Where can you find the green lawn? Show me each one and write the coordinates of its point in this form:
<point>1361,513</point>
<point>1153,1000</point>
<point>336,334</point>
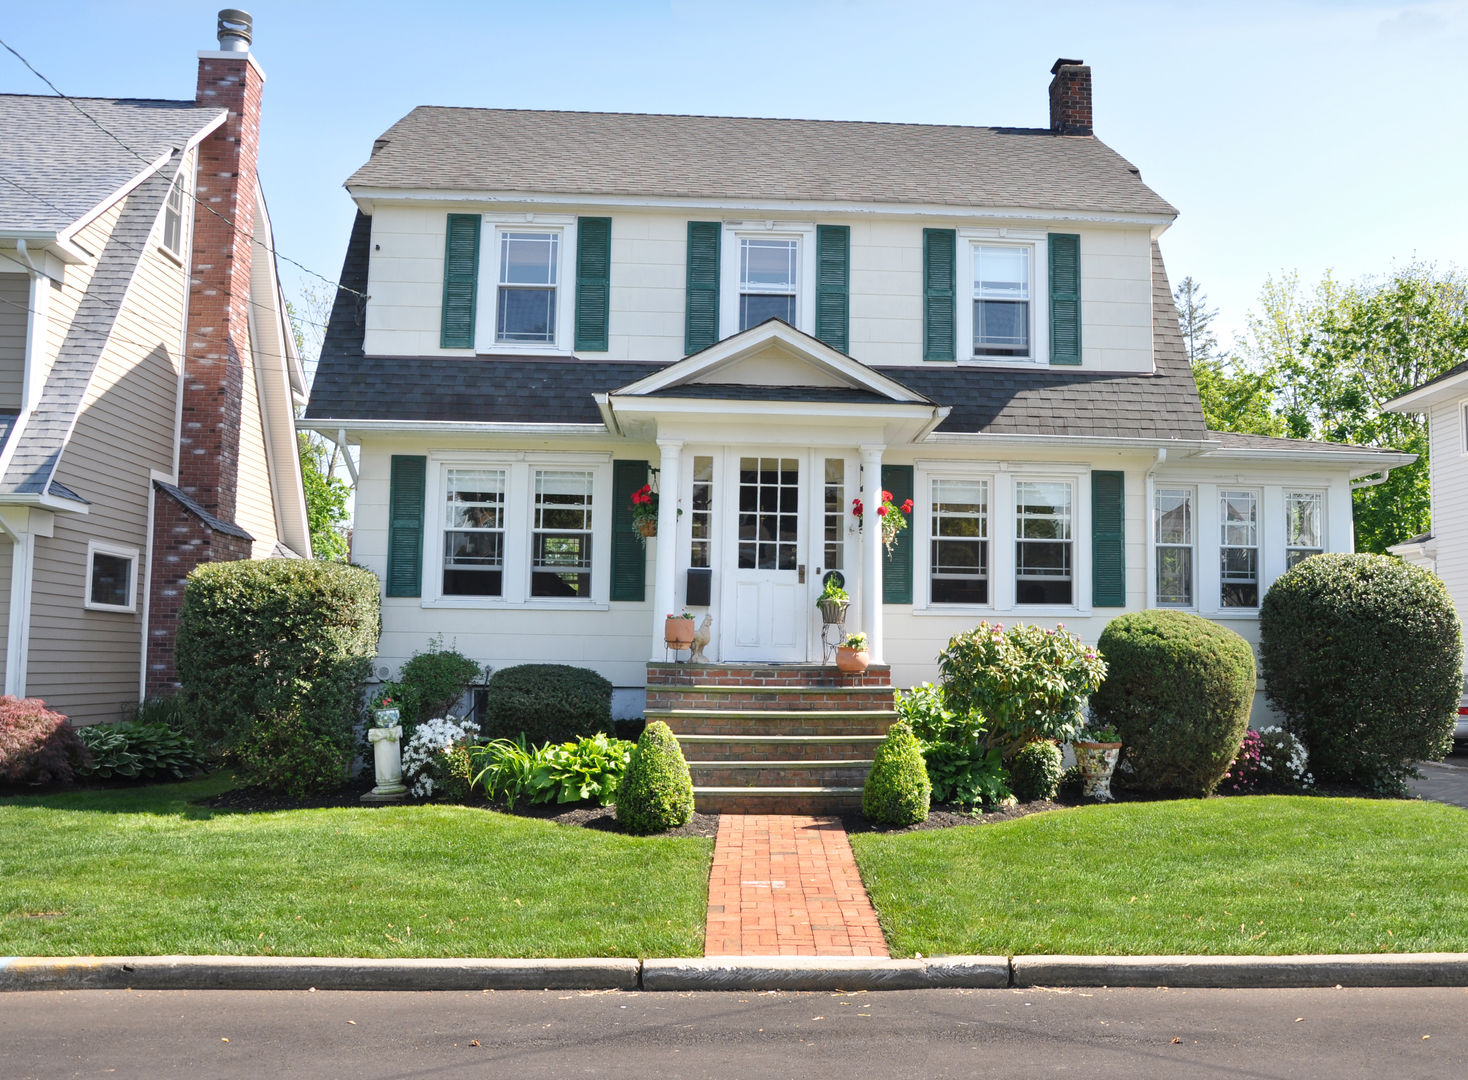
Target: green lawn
<point>142,872</point>
<point>1260,875</point>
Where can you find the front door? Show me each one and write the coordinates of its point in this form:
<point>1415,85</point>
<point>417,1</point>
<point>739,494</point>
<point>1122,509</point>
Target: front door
<point>766,608</point>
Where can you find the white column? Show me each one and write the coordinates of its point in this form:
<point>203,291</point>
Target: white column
<point>872,551</point>
<point>665,581</point>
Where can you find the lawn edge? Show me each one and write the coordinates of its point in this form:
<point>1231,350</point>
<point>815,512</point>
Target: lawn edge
<point>746,973</point>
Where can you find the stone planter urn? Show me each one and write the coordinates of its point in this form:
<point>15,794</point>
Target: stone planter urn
<point>833,610</point>
<point>1096,762</point>
<point>387,757</point>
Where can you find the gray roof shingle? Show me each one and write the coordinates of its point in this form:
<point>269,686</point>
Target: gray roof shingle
<point>1232,440</point>
<point>219,525</point>
<point>67,166</point>
<point>435,148</point>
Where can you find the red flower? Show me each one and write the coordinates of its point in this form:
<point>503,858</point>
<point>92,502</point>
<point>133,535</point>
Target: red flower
<point>856,507</point>
<point>881,511</point>
<point>907,507</point>
<point>886,496</point>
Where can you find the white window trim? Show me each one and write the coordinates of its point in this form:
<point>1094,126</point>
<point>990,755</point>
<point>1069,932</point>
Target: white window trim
<point>805,283</point>
<point>185,219</point>
<point>486,319</point>
<point>120,551</point>
<point>1002,537</point>
<point>519,530</point>
<point>1153,544</point>
<point>1037,241</point>
<point>1463,429</point>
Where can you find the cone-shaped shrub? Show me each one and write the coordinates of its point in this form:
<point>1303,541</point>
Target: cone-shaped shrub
<point>656,793</point>
<point>897,790</point>
<point>1178,690</point>
<point>1035,771</point>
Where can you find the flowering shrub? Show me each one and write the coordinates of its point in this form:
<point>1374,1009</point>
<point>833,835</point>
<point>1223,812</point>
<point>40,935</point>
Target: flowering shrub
<point>1283,757</point>
<point>1029,683</point>
<point>891,518</point>
<point>436,759</point>
<point>1244,774</point>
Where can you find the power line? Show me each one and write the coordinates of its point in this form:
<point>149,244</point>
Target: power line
<point>99,126</point>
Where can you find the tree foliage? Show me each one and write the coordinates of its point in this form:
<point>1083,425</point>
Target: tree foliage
<point>328,496</point>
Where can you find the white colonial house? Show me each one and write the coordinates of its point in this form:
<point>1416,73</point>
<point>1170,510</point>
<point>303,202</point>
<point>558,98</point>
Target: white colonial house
<point>766,319</point>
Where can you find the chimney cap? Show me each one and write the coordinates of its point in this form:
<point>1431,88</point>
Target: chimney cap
<point>234,29</point>
<point>1063,62</point>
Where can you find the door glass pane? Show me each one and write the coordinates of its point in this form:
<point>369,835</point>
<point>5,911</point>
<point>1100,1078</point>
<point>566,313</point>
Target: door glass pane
<point>702,513</point>
<point>769,529</point>
<point>835,514</point>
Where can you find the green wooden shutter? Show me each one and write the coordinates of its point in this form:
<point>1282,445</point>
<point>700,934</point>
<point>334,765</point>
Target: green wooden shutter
<point>405,525</point>
<point>833,285</point>
<point>701,326</point>
<point>593,282</point>
<point>460,281</point>
<point>1108,539</point>
<point>1065,298</point>
<point>897,565</point>
<point>629,557</point>
<point>939,268</point>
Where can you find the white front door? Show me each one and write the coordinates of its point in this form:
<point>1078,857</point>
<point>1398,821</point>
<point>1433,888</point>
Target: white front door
<point>766,616</point>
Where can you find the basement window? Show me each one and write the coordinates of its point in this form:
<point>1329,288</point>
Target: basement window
<point>112,573</point>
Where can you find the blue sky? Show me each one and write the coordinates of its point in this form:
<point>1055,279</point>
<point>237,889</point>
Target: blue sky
<point>1292,136</point>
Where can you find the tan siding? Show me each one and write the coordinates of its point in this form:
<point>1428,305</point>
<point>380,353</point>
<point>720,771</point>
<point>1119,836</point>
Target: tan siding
<point>15,298</point>
<point>125,427</point>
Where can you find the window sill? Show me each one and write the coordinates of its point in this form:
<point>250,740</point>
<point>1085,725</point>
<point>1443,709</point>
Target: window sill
<point>175,258</point>
<point>496,348</point>
<point>116,610</point>
<point>471,604</point>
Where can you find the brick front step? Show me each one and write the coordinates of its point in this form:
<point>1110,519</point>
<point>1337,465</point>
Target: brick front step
<point>779,800</point>
<point>661,674</point>
<point>781,698</point>
<point>778,747</point>
<point>770,722</point>
<point>779,774</point>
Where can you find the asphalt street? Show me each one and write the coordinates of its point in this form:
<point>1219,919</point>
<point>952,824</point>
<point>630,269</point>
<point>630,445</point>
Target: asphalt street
<point>1299,1034</point>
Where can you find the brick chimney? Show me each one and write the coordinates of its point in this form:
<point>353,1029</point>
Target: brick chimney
<point>195,522</point>
<point>219,297</point>
<point>1070,98</point>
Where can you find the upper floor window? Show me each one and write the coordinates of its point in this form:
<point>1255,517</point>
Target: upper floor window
<point>1173,526</point>
<point>1238,520</point>
<point>768,276</point>
<point>1304,525</point>
<point>530,265</point>
<point>1002,280</point>
<point>959,565</point>
<point>173,218</point>
<point>767,270</point>
<point>1045,542</point>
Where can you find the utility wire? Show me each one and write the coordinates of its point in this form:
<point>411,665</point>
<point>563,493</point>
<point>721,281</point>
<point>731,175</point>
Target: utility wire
<point>146,161</point>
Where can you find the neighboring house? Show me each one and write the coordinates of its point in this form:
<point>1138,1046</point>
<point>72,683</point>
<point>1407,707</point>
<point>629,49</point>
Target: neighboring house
<point>768,319</point>
<point>148,378</point>
<point>1444,550</point>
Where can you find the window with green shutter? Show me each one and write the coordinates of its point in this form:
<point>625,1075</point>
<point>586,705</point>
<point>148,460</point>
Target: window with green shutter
<point>629,557</point>
<point>460,281</point>
<point>1108,539</point>
<point>897,562</point>
<point>833,285</point>
<point>939,270</point>
<point>593,282</point>
<point>406,491</point>
<point>1065,298</point>
<point>701,324</point>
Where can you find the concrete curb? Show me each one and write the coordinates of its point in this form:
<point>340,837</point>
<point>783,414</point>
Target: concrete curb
<point>303,973</point>
<point>746,973</point>
<point>1252,972</point>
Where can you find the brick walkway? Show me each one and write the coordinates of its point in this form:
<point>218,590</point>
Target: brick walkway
<point>788,886</point>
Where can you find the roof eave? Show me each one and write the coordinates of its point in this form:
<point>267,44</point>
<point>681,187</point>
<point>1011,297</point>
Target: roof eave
<point>1426,396</point>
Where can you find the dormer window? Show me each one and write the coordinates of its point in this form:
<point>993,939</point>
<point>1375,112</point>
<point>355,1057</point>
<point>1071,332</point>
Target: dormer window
<point>529,275</point>
<point>768,274</point>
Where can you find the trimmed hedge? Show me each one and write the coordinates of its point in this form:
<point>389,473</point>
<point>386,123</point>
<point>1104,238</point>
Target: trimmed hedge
<point>1178,690</point>
<point>898,791</point>
<point>272,655</point>
<point>1035,771</point>
<point>656,792</point>
<point>433,682</point>
<point>553,703</point>
<point>1362,654</point>
<point>37,745</point>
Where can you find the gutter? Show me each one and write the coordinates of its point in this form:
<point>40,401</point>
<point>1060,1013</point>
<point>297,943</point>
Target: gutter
<point>331,427</point>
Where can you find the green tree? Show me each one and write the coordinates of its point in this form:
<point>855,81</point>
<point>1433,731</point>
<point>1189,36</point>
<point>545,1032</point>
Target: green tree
<point>328,496</point>
<point>1233,397</point>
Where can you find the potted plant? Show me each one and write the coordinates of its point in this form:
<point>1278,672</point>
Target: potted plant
<point>387,747</point>
<point>851,654</point>
<point>891,517</point>
<point>833,602</point>
<point>1097,749</point>
<point>678,631</point>
<point>645,512</point>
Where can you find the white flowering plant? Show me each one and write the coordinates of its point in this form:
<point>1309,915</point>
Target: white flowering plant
<point>1283,757</point>
<point>436,759</point>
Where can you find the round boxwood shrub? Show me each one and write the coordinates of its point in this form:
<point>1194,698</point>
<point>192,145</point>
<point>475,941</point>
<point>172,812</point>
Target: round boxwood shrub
<point>433,682</point>
<point>1035,771</point>
<point>897,790</point>
<point>1362,654</point>
<point>1178,690</point>
<point>656,792</point>
<point>272,655</point>
<point>546,703</point>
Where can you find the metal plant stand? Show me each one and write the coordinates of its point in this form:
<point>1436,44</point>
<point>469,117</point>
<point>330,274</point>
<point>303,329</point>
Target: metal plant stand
<point>833,627</point>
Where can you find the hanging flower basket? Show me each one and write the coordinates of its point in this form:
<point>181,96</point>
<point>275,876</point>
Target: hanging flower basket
<point>645,512</point>
<point>647,528</point>
<point>891,517</point>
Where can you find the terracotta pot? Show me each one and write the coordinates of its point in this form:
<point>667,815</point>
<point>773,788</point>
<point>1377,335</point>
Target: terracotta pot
<point>1096,762</point>
<point>851,661</point>
<point>678,633</point>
